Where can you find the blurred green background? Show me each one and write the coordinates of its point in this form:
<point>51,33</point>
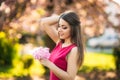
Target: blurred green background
<point>20,33</point>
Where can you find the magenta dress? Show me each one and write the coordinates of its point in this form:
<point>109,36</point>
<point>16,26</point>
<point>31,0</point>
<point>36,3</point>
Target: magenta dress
<point>58,57</point>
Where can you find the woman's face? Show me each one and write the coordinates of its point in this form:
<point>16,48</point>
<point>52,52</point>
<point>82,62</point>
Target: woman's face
<point>63,29</point>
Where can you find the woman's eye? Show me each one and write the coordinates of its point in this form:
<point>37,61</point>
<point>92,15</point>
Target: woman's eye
<point>64,27</point>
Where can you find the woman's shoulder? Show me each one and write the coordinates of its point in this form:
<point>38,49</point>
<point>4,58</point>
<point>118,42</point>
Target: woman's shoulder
<point>74,48</point>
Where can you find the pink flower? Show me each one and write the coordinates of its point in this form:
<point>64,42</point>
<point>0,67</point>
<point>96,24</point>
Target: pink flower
<point>40,52</point>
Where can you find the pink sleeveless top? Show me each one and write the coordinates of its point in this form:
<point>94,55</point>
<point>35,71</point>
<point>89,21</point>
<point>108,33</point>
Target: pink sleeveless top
<point>58,57</point>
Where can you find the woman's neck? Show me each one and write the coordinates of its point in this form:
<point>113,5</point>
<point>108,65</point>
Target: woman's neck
<point>67,41</point>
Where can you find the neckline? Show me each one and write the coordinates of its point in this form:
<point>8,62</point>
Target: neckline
<point>66,46</point>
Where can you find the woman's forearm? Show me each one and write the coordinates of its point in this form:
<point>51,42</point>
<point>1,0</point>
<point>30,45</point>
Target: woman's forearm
<point>63,75</point>
<point>49,25</point>
<point>50,20</point>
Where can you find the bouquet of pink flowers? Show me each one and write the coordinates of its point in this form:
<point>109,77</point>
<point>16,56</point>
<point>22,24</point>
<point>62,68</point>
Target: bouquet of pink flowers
<point>40,52</point>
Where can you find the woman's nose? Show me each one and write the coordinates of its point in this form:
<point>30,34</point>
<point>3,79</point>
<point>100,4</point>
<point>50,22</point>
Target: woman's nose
<point>59,29</point>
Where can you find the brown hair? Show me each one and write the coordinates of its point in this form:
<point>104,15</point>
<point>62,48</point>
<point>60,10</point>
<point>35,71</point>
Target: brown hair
<point>76,34</point>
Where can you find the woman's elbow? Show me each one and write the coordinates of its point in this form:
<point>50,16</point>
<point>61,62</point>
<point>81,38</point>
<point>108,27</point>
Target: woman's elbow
<point>42,25</point>
<point>41,22</point>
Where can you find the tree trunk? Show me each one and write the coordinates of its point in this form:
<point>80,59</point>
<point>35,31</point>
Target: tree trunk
<point>117,59</point>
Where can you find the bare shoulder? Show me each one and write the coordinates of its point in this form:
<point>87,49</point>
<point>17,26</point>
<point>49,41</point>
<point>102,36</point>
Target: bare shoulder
<point>74,50</point>
<point>73,56</point>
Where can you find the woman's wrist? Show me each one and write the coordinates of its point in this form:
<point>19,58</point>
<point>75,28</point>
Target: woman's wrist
<point>50,64</point>
<point>49,20</point>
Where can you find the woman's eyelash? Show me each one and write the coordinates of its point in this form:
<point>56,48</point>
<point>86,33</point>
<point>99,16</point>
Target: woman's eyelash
<point>64,27</point>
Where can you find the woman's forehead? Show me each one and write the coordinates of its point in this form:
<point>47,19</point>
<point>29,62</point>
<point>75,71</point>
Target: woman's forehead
<point>62,22</point>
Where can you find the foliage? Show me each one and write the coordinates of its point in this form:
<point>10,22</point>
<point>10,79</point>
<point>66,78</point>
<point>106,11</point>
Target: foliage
<point>22,67</point>
<point>27,60</point>
<point>8,50</point>
<point>93,61</point>
<point>100,61</point>
<point>11,9</point>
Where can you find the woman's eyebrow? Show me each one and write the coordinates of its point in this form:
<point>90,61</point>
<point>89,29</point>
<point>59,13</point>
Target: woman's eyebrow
<point>61,25</point>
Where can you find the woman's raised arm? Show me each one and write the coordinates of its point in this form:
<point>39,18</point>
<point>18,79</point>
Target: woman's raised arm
<point>49,25</point>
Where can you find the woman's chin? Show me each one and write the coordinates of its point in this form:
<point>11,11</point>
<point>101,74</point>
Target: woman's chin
<point>61,37</point>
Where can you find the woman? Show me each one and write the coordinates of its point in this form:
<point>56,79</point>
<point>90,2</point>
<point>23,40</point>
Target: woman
<point>68,54</point>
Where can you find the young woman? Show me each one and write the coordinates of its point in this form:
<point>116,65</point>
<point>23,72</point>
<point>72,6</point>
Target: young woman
<point>68,54</point>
